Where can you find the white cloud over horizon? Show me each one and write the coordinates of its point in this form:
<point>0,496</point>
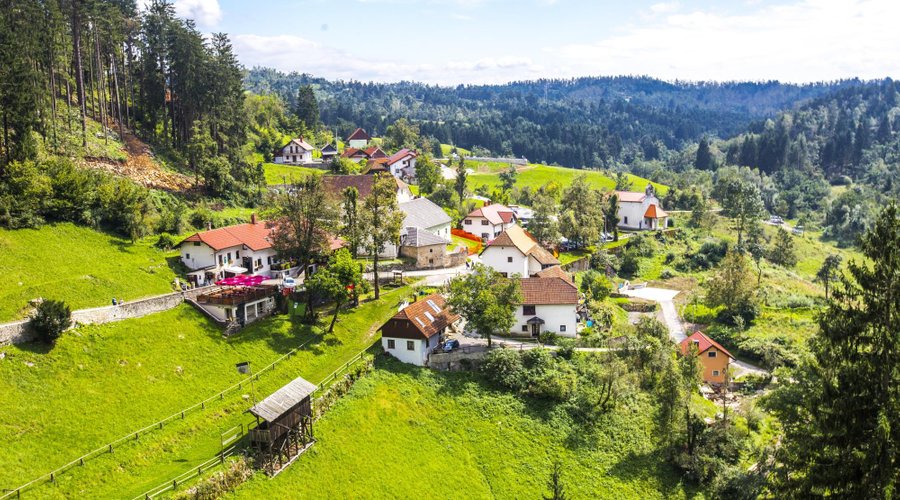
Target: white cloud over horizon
<point>798,41</point>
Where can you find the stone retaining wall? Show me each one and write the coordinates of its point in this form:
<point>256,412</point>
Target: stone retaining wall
<point>16,332</point>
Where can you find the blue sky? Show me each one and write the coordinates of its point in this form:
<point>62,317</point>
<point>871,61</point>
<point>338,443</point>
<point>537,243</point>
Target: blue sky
<point>492,41</point>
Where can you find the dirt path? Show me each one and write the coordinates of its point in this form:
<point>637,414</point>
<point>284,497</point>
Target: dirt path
<point>142,168</point>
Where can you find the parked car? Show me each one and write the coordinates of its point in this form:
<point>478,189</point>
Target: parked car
<point>776,220</point>
<point>450,345</point>
<point>289,282</point>
<point>797,230</point>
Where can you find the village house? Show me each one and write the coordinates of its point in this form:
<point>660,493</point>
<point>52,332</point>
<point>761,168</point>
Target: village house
<point>369,154</point>
<point>240,305</point>
<point>515,252</point>
<point>714,358</point>
<point>402,164</point>
<point>336,184</point>
<point>425,248</point>
<point>425,214</point>
<point>489,221</point>
<point>416,330</point>
<point>242,248</point>
<point>641,210</point>
<point>549,304</point>
<point>295,152</point>
<point>359,139</point>
<point>328,152</point>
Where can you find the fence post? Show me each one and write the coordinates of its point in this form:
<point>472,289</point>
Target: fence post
<point>110,448</point>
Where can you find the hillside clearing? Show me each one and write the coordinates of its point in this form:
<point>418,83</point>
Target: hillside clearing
<point>535,176</point>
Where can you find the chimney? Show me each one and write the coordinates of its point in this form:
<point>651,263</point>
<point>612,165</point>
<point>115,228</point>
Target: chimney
<point>253,218</point>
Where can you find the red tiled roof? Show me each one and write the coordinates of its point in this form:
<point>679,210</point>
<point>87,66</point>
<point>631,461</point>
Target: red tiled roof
<point>375,152</point>
<point>255,236</point>
<point>554,272</point>
<point>351,152</point>
<point>428,315</point>
<point>654,212</point>
<point>359,134</point>
<point>547,291</point>
<point>335,184</point>
<point>495,214</point>
<point>519,238</point>
<point>399,155</point>
<point>703,344</point>
<point>630,196</point>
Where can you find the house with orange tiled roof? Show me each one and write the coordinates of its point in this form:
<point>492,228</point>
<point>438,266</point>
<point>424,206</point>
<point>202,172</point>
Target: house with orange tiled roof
<point>416,330</point>
<point>516,252</point>
<point>489,221</point>
<point>402,164</point>
<point>641,211</point>
<point>549,304</point>
<point>714,358</point>
<point>232,250</point>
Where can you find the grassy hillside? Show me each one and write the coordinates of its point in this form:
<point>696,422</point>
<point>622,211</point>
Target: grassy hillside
<point>446,148</point>
<point>406,432</point>
<point>102,382</point>
<point>535,176</point>
<point>81,266</point>
<point>277,174</point>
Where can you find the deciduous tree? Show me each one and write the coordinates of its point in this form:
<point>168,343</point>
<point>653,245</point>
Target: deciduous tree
<point>381,219</point>
<point>487,300</point>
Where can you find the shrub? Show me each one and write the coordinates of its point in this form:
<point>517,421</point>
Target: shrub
<point>51,319</point>
<point>666,274</point>
<point>602,261</point>
<point>670,257</point>
<point>504,367</point>
<point>641,245</point>
<point>630,264</point>
<point>548,338</point>
<point>595,285</point>
<point>166,241</point>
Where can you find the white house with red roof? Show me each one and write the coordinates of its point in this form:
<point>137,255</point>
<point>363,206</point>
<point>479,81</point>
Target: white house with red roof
<point>402,164</point>
<point>489,221</point>
<point>641,210</point>
<point>359,139</point>
<point>515,252</point>
<point>296,152</point>
<point>412,333</point>
<point>549,304</point>
<point>238,249</point>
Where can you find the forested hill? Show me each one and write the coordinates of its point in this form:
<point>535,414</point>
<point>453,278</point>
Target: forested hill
<point>593,122</point>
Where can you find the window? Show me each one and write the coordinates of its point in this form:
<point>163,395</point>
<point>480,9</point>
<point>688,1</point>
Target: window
<point>562,328</point>
<point>715,373</point>
<point>484,222</point>
<point>229,257</point>
<point>391,344</point>
<point>528,310</point>
<point>484,236</point>
<point>237,255</point>
<point>626,219</point>
<point>410,345</point>
<point>187,256</point>
<point>468,222</point>
<point>505,275</point>
<point>196,243</point>
<point>509,259</point>
<point>712,354</point>
<point>525,328</point>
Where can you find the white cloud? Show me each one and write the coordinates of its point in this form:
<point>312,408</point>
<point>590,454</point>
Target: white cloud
<point>207,13</point>
<point>293,53</point>
<point>804,41</point>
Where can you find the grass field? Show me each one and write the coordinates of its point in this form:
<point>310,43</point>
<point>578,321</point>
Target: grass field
<point>446,148</point>
<point>407,432</point>
<point>278,174</point>
<point>536,176</point>
<point>84,267</point>
<point>101,382</point>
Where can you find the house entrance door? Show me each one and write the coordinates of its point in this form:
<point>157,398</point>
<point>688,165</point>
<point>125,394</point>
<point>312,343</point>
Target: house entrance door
<point>535,330</point>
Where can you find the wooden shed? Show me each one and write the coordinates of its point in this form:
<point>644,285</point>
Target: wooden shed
<point>283,425</point>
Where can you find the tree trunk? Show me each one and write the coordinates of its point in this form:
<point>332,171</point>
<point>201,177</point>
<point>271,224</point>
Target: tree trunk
<point>375,271</point>
<point>115,73</point>
<point>79,68</point>
<point>337,308</point>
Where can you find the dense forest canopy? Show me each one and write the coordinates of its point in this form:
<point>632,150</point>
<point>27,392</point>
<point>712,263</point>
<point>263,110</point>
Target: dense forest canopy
<point>582,122</point>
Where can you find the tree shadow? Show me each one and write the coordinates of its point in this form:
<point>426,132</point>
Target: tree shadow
<point>636,467</point>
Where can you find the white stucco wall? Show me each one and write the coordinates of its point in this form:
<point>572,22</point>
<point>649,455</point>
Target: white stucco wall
<point>631,214</point>
<point>358,143</point>
<point>202,256</point>
<point>418,356</point>
<point>497,258</point>
<point>554,316</point>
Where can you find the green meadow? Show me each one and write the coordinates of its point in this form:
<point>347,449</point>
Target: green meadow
<point>535,176</point>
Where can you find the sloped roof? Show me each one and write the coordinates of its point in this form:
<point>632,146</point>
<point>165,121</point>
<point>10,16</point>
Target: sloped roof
<point>428,315</point>
<point>423,212</point>
<point>299,142</point>
<point>255,236</point>
<point>703,344</point>
<point>375,152</point>
<point>335,184</point>
<point>654,212</point>
<point>554,272</point>
<point>351,152</point>
<point>418,237</point>
<point>399,155</point>
<point>359,135</point>
<point>547,291</point>
<point>282,400</point>
<point>519,238</point>
<point>630,196</point>
<point>495,214</point>
<point>329,148</point>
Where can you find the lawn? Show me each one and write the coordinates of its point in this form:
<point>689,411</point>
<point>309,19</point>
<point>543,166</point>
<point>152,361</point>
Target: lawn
<point>407,432</point>
<point>569,257</point>
<point>102,382</point>
<point>279,174</point>
<point>446,148</point>
<point>82,266</point>
<point>456,241</point>
<point>536,176</point>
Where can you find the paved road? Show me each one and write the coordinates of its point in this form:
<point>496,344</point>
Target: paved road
<point>665,297</point>
<point>433,277</point>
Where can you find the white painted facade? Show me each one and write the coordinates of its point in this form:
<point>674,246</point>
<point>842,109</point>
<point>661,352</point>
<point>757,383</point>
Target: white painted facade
<point>202,260</point>
<point>561,319</point>
<point>631,214</point>
<point>252,311</point>
<point>509,261</point>
<point>480,226</point>
<point>358,143</point>
<point>400,349</point>
<point>404,168</point>
<point>294,154</point>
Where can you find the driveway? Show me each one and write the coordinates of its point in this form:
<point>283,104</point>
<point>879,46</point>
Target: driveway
<point>433,277</point>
